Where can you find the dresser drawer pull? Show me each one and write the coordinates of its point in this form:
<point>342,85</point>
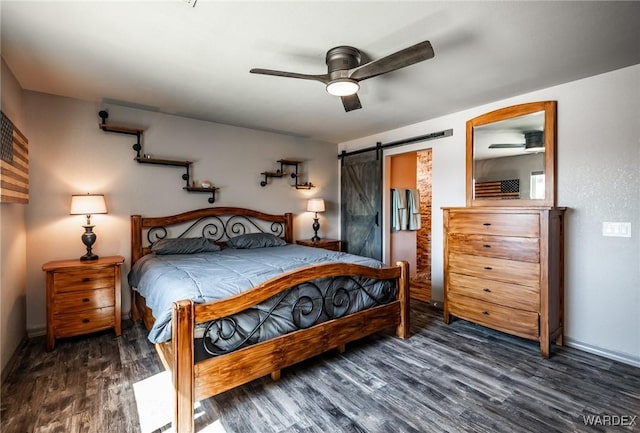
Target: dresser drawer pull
<point>86,279</point>
<point>486,246</point>
<point>85,320</point>
<point>85,300</point>
<point>488,268</point>
<point>486,313</point>
<point>486,224</point>
<point>486,289</point>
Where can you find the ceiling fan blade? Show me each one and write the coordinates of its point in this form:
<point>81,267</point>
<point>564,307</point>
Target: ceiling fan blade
<point>506,145</point>
<point>351,102</point>
<point>400,59</point>
<point>322,78</point>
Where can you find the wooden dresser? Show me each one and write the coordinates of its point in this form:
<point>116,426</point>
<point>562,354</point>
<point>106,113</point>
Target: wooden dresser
<point>503,268</point>
<point>82,297</point>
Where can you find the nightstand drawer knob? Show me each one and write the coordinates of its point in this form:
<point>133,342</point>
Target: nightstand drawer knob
<point>486,313</point>
<point>487,290</point>
<point>486,246</point>
<point>486,224</point>
<point>85,300</point>
<point>488,268</point>
<point>85,320</point>
<point>86,279</point>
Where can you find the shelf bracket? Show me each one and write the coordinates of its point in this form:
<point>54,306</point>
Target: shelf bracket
<point>104,115</point>
<point>281,172</point>
<point>212,190</point>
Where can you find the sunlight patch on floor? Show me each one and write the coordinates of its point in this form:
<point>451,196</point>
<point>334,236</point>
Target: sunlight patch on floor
<point>155,405</point>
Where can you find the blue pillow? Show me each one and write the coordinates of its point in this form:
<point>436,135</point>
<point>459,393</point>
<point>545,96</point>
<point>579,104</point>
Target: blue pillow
<point>255,240</point>
<point>183,246</point>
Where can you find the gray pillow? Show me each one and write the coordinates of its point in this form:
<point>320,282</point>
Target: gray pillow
<point>184,246</point>
<point>255,240</point>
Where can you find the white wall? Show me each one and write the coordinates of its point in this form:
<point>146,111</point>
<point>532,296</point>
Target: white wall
<point>598,180</point>
<point>70,154</point>
<point>13,255</point>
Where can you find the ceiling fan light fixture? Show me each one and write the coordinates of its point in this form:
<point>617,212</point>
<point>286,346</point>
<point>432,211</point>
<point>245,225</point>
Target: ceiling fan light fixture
<point>343,87</point>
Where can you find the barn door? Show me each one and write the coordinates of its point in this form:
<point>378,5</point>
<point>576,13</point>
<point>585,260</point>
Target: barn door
<point>361,198</point>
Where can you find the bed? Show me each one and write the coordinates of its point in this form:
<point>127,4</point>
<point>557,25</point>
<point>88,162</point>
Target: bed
<point>214,343</point>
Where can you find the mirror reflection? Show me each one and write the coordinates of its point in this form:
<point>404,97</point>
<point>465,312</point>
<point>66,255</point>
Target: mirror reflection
<point>509,159</point>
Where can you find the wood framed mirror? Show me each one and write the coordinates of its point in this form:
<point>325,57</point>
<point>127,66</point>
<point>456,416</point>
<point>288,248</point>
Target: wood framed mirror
<point>511,156</point>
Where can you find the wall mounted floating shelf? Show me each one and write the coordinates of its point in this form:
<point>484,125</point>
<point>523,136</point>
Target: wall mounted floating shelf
<point>146,159</point>
<point>281,173</point>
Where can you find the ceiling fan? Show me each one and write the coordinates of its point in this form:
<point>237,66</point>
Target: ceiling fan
<point>534,142</point>
<point>344,70</point>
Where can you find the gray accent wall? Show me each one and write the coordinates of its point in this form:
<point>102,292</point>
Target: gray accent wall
<point>71,155</point>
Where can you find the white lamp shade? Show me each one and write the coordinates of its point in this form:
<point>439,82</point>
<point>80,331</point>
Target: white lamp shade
<point>315,205</point>
<point>87,204</point>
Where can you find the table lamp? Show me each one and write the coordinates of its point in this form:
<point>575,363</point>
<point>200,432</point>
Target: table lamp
<point>88,204</point>
<point>315,205</point>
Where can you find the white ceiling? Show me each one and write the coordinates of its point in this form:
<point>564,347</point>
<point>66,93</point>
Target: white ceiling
<point>194,61</point>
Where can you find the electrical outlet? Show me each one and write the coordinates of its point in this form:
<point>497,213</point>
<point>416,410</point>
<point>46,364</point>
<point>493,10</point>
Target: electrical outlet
<point>622,230</point>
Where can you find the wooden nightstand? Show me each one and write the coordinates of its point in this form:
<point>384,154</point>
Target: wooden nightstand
<point>82,297</point>
<point>327,244</point>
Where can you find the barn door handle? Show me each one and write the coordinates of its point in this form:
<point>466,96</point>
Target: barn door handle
<point>377,215</point>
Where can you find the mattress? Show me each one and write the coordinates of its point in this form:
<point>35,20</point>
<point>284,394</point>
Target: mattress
<point>211,276</point>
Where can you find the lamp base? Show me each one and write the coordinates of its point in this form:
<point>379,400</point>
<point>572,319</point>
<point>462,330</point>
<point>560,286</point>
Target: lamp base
<point>88,239</point>
<point>89,257</point>
<point>316,227</point>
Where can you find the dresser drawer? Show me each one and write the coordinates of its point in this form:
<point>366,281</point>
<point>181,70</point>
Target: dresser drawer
<point>510,271</point>
<point>511,320</point>
<point>83,280</point>
<point>81,322</point>
<point>67,302</point>
<point>501,247</point>
<point>521,225</point>
<point>496,292</point>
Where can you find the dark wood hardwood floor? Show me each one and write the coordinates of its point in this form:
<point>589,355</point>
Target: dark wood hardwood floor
<point>455,378</point>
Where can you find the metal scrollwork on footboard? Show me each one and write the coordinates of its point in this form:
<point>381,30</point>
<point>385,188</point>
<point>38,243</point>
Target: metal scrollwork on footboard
<point>218,229</point>
<point>300,307</point>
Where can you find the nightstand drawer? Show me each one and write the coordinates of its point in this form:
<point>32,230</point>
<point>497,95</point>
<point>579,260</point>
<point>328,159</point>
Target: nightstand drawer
<point>522,225</point>
<point>517,322</point>
<point>81,322</point>
<point>67,302</point>
<point>83,280</point>
<point>496,292</point>
<point>327,244</point>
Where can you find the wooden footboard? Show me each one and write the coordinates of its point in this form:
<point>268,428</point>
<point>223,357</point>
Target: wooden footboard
<point>197,381</point>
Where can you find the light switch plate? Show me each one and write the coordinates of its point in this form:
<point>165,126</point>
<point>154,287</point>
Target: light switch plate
<point>622,230</point>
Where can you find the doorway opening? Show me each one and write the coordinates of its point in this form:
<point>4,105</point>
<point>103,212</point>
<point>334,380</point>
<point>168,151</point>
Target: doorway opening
<point>412,171</point>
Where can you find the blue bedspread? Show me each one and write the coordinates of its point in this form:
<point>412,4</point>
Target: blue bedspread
<point>205,277</point>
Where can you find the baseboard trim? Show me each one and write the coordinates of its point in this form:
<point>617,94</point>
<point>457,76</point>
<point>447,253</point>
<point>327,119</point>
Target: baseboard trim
<point>609,354</point>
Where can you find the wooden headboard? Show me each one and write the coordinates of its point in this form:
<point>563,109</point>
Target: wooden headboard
<point>216,223</point>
